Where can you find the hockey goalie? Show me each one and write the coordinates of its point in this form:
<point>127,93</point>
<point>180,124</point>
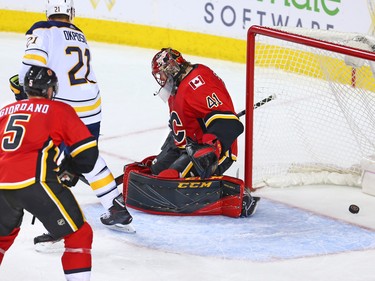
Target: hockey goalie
<point>186,177</point>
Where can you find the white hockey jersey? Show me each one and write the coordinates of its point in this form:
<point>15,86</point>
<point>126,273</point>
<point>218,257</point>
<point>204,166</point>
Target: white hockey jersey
<point>63,48</point>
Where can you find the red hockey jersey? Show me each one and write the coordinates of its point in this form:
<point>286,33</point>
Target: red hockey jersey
<point>30,133</point>
<point>202,105</point>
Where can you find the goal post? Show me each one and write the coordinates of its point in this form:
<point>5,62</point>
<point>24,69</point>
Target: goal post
<point>321,123</point>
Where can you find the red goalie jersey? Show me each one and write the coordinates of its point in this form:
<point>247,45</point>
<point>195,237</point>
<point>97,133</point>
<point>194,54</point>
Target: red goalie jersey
<point>202,105</point>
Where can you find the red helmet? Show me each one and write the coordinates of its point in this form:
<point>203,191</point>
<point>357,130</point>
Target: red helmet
<point>167,63</point>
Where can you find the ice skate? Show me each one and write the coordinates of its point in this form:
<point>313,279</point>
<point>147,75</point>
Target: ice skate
<point>118,217</point>
<point>45,243</point>
<point>249,204</point>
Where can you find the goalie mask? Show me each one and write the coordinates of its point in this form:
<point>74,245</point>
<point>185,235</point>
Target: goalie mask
<point>168,65</point>
<point>38,80</point>
<point>60,7</point>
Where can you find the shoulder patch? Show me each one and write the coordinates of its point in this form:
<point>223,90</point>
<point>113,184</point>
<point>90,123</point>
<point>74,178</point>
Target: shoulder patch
<point>196,82</point>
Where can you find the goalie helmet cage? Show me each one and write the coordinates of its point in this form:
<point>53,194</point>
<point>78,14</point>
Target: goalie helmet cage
<point>321,122</point>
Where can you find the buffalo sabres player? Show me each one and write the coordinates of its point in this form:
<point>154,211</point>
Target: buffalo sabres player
<point>58,44</point>
<point>203,123</point>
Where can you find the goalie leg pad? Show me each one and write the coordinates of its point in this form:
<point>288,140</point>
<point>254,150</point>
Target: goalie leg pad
<point>218,195</point>
<point>173,196</point>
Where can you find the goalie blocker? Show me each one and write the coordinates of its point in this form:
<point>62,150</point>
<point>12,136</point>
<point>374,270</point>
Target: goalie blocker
<point>217,195</point>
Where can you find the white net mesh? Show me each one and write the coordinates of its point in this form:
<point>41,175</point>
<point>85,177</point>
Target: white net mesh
<point>323,117</point>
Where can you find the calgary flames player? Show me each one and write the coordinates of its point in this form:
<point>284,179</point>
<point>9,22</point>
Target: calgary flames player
<point>31,132</point>
<point>202,144</point>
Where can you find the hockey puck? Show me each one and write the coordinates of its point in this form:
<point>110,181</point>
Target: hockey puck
<point>354,209</point>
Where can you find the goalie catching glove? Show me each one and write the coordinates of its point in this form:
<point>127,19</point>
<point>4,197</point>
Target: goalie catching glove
<point>16,88</point>
<point>205,156</point>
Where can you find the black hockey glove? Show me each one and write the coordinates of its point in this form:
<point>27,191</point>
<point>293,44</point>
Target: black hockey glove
<point>204,157</point>
<point>65,173</point>
<point>16,88</point>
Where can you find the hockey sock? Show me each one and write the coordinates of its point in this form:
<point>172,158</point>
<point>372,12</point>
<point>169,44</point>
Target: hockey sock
<point>76,260</point>
<point>7,241</point>
<point>103,183</point>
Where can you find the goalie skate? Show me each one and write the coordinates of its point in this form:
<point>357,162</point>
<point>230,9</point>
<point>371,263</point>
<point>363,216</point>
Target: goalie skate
<point>45,243</point>
<point>249,204</point>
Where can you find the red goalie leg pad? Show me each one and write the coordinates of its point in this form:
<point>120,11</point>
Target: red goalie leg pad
<point>77,254</point>
<point>136,166</point>
<point>7,241</point>
<point>232,206</point>
<point>169,174</point>
<point>229,206</point>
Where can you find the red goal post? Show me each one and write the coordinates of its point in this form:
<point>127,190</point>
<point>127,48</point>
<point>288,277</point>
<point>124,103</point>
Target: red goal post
<point>321,123</point>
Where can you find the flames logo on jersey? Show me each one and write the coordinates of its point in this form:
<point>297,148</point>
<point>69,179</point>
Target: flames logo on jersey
<point>196,82</point>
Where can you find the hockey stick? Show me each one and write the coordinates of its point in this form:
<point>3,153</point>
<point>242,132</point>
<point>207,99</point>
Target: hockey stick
<point>119,179</point>
<point>258,104</point>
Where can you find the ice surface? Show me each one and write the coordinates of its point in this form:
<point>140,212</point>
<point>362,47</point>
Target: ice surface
<point>299,233</point>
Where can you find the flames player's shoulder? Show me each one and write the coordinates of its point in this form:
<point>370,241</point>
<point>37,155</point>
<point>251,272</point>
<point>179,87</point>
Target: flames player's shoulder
<point>61,108</point>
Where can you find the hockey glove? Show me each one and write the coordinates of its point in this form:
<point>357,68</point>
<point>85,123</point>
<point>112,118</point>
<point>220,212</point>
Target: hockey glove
<point>65,174</point>
<point>16,88</point>
<point>212,140</point>
<point>205,157</point>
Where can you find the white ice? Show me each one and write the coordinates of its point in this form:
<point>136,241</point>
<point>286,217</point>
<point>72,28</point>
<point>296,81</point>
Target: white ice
<point>299,233</point>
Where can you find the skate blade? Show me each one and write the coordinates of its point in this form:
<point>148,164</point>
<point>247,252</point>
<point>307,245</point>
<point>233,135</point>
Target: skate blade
<point>50,247</point>
<point>128,228</point>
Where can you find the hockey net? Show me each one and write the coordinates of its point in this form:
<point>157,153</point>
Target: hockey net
<point>320,122</point>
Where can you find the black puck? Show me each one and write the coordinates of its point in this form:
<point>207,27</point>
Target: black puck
<point>354,209</point>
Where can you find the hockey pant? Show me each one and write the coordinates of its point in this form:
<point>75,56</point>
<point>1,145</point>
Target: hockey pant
<point>56,207</point>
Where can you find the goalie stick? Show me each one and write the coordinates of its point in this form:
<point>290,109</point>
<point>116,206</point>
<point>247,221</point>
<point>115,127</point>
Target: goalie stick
<point>258,104</point>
